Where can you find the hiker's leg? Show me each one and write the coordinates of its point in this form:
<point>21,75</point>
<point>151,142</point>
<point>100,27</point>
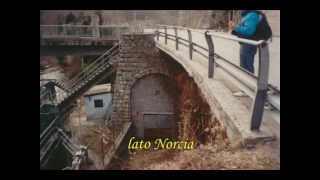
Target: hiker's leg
<point>247,53</point>
<point>242,56</point>
<point>250,57</point>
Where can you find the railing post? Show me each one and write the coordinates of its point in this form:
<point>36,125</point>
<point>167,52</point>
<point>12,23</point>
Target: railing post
<point>64,31</point>
<point>177,39</point>
<point>97,30</point>
<point>211,55</point>
<point>157,31</point>
<point>190,43</point>
<point>262,85</point>
<point>165,35</point>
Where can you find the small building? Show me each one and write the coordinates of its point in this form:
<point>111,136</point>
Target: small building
<point>97,101</point>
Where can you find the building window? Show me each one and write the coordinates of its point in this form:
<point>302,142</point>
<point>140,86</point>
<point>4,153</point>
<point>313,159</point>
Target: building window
<point>98,103</point>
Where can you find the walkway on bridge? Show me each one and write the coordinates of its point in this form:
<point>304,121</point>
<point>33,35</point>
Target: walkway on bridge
<point>236,112</point>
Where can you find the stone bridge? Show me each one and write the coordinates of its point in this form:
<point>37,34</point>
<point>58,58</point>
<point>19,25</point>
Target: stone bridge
<point>148,66</point>
<point>140,57</point>
<point>219,82</point>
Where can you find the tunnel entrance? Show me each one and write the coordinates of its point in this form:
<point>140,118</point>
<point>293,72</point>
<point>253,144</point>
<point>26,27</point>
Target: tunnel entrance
<point>153,112</point>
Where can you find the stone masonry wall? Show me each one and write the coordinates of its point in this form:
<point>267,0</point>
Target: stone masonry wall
<point>138,57</point>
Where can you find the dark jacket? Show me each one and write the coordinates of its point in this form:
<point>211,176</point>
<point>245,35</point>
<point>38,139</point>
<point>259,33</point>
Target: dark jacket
<point>71,18</point>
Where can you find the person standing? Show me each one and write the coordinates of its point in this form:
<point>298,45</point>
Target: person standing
<point>86,22</point>
<point>100,22</point>
<point>94,23</point>
<point>97,21</point>
<point>70,20</point>
<point>253,26</point>
<point>80,20</point>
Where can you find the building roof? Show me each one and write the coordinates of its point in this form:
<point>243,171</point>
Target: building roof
<point>98,89</point>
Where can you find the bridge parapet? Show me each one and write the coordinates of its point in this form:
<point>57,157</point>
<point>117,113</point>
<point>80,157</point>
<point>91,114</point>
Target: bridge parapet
<point>80,35</point>
<point>84,31</point>
<point>89,35</point>
<point>255,86</point>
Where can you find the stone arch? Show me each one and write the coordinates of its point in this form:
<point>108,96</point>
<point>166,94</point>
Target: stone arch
<point>153,114</point>
<point>147,72</point>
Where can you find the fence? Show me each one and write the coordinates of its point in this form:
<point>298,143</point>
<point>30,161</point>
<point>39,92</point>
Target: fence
<point>255,86</point>
<point>82,31</point>
<point>53,136</point>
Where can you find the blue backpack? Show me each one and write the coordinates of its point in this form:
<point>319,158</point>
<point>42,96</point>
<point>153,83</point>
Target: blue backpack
<point>263,29</point>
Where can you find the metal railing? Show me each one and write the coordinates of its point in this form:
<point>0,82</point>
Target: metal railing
<point>88,76</point>
<point>48,137</point>
<point>85,76</point>
<point>82,78</point>
<point>98,63</point>
<point>51,128</point>
<point>56,82</point>
<point>82,31</point>
<point>47,93</point>
<point>256,86</point>
<point>52,134</point>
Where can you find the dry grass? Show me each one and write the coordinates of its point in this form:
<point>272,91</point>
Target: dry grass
<point>211,158</point>
<point>204,157</point>
<point>91,136</point>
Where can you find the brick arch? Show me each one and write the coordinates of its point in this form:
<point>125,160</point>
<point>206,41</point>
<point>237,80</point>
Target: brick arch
<point>145,73</point>
<point>161,104</point>
<point>141,75</point>
<point>125,112</point>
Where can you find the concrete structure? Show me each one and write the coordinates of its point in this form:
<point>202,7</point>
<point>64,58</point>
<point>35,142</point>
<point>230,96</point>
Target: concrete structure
<point>98,102</point>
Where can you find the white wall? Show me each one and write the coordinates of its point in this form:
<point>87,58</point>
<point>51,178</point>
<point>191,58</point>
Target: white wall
<point>97,113</point>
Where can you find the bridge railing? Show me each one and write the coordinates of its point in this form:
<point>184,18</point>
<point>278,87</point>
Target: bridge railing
<point>255,86</point>
<point>82,31</point>
<point>70,86</point>
<point>52,134</point>
<point>91,68</point>
<point>47,93</point>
